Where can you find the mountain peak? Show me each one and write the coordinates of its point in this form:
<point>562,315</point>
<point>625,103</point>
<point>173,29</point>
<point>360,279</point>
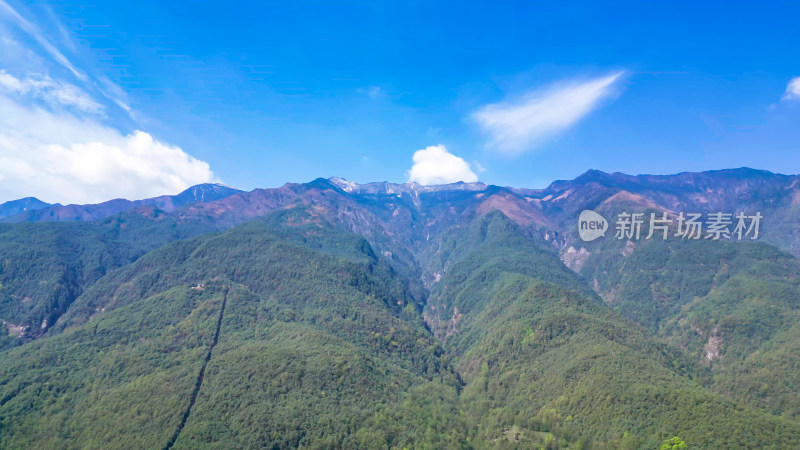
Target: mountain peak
<point>12,207</point>
<point>341,183</point>
<point>205,192</point>
<point>593,175</point>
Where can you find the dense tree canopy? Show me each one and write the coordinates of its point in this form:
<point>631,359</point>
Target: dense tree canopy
<point>292,332</point>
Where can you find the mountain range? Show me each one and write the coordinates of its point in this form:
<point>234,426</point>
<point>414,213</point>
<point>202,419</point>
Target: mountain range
<point>332,314</point>
<point>31,209</point>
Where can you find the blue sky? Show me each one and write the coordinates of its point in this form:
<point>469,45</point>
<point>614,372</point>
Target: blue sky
<point>103,99</point>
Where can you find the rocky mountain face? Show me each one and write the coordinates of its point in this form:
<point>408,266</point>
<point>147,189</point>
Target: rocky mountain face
<point>466,297</point>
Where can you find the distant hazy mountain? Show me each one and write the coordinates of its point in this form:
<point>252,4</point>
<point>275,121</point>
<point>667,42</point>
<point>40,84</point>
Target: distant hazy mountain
<point>65,213</point>
<point>22,205</point>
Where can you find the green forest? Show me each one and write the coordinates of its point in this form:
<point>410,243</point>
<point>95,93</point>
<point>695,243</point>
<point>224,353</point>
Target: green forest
<point>290,331</point>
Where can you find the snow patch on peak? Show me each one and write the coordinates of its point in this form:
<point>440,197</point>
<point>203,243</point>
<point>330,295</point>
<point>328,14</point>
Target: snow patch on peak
<point>341,183</point>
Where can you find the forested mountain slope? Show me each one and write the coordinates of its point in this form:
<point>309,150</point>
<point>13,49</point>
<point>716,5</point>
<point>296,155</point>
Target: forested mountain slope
<point>332,314</point>
<point>734,307</point>
<point>311,337</point>
<point>543,358</point>
<point>46,266</point>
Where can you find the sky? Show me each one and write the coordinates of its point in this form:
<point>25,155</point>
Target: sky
<point>100,100</point>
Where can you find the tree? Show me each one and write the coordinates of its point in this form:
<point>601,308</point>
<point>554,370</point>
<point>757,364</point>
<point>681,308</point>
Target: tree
<point>674,443</point>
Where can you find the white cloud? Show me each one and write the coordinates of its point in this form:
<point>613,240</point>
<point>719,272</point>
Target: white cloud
<point>517,126</point>
<point>52,92</point>
<point>435,165</point>
<point>55,143</point>
<point>792,89</point>
<point>62,157</point>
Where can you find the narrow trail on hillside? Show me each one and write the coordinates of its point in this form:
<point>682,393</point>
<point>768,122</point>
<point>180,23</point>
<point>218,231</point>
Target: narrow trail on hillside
<point>201,375</point>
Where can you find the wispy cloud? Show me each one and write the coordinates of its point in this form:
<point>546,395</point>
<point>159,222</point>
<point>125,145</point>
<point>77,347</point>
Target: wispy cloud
<point>372,92</point>
<point>52,92</point>
<point>102,85</point>
<point>792,89</point>
<point>435,165</point>
<point>34,32</point>
<point>116,94</point>
<point>519,125</point>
